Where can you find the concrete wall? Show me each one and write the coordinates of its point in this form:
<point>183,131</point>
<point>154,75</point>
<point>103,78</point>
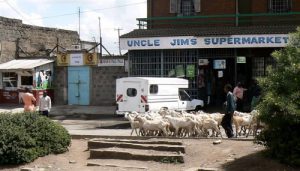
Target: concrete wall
<point>104,84</point>
<point>34,40</point>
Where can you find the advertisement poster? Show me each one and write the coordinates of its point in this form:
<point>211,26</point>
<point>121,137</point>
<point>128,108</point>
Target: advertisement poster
<point>190,71</point>
<point>179,71</point>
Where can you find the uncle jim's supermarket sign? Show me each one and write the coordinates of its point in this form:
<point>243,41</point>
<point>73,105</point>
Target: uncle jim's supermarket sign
<point>190,42</point>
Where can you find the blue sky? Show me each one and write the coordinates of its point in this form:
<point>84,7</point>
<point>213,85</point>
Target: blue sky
<point>63,14</point>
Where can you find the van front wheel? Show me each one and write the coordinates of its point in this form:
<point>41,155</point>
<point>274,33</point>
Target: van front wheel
<point>198,108</point>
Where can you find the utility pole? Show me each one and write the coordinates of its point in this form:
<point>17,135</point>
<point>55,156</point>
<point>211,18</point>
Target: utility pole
<point>100,37</point>
<point>119,29</point>
<point>79,21</point>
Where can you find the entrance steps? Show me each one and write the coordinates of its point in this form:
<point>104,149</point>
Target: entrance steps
<point>140,150</point>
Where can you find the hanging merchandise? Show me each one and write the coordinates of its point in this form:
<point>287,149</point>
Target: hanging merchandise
<point>179,71</point>
<point>190,71</point>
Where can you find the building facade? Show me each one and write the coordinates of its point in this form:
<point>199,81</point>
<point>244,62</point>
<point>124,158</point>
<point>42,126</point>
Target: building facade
<point>211,43</point>
<point>30,56</point>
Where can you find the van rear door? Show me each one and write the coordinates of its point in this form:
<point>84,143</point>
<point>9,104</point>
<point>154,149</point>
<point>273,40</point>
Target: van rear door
<point>131,97</point>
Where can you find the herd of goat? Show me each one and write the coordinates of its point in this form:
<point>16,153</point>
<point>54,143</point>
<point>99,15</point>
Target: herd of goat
<point>195,124</point>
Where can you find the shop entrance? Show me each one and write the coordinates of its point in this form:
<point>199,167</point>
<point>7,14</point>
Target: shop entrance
<point>213,75</point>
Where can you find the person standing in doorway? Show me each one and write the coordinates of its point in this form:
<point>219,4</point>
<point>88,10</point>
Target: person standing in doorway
<point>28,100</point>
<point>238,93</point>
<point>229,109</point>
<point>45,104</point>
<point>256,92</point>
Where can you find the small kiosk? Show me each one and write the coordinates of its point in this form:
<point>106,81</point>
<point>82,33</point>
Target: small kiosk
<point>16,75</point>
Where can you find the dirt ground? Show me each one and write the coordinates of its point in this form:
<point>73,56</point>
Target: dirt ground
<point>229,155</point>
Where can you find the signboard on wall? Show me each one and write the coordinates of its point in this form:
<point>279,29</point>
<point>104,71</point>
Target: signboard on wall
<point>190,42</point>
<point>77,59</point>
<point>241,60</point>
<point>90,59</point>
<point>111,62</point>
<point>63,59</point>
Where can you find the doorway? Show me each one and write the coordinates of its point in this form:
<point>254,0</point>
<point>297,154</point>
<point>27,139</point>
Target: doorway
<point>78,85</point>
<point>213,75</point>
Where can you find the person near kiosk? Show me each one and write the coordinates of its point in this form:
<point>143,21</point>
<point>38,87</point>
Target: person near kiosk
<point>45,104</point>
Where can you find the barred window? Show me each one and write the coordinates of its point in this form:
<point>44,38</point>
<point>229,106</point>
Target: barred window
<point>187,8</point>
<point>280,6</point>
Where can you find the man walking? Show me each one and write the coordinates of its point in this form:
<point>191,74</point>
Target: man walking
<point>229,110</point>
<point>45,104</point>
<point>28,100</point>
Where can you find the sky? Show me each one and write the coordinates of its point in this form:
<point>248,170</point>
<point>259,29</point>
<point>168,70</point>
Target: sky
<point>64,14</point>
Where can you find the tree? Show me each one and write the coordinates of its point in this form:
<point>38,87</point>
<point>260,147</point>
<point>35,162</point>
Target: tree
<point>280,104</point>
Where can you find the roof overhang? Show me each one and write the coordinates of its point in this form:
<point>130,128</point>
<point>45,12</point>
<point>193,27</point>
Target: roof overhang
<point>24,64</point>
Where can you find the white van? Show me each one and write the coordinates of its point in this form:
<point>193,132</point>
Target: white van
<point>144,94</point>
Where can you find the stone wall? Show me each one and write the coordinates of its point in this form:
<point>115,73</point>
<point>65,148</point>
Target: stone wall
<point>35,41</point>
<point>60,83</point>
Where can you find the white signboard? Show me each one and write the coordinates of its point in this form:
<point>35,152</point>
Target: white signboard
<point>111,62</point>
<point>76,59</point>
<point>190,42</point>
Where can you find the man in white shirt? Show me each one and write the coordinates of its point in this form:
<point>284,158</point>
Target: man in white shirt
<point>45,104</point>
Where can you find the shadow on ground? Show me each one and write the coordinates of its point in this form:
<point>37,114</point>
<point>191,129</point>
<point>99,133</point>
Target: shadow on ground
<point>256,162</point>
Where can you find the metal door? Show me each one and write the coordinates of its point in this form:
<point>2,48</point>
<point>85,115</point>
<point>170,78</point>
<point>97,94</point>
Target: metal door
<point>78,86</point>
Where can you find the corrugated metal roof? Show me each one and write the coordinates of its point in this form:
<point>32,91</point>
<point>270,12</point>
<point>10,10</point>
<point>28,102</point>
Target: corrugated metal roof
<point>210,31</point>
<point>24,64</point>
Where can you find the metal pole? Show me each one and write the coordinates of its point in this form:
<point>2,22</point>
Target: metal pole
<point>79,21</point>
<point>236,12</point>
<point>100,36</point>
<point>118,29</point>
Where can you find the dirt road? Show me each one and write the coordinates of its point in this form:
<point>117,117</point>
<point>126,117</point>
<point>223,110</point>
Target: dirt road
<point>229,155</point>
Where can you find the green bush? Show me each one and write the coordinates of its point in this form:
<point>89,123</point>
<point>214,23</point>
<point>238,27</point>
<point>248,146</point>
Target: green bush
<point>27,136</point>
<point>280,105</point>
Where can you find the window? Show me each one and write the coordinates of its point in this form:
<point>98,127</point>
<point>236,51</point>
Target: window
<point>184,96</point>
<point>10,79</point>
<point>153,89</point>
<point>280,6</point>
<point>26,80</point>
<point>185,7</point>
<point>131,92</point>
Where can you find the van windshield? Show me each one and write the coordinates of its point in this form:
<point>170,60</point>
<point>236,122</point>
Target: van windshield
<point>184,96</point>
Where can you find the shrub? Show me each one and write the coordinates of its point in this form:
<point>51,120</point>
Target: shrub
<point>280,105</point>
<point>26,136</point>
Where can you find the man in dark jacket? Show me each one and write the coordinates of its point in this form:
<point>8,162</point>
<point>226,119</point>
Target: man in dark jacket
<point>230,108</point>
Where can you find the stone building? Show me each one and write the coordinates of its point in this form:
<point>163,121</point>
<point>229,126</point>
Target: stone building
<point>211,43</point>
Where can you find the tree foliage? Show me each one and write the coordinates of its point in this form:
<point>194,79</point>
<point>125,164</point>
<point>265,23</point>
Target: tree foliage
<point>280,104</point>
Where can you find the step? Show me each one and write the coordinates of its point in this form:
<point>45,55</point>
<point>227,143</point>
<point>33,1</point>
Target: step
<point>158,147</point>
<point>136,154</point>
<point>148,141</point>
<point>118,166</point>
